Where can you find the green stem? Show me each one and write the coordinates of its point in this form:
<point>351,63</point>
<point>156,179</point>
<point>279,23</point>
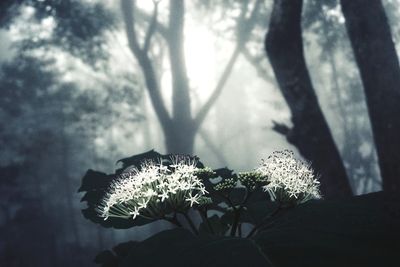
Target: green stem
<point>191,224</point>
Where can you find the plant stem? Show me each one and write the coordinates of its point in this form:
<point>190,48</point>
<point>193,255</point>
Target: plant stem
<point>262,221</point>
<point>228,200</point>
<point>235,222</point>
<point>191,224</point>
<point>203,214</point>
<point>237,213</point>
<point>240,229</point>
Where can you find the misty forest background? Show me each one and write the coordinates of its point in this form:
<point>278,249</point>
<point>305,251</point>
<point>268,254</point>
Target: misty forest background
<point>87,82</point>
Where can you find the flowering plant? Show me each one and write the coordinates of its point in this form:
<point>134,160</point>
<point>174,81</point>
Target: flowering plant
<point>289,180</point>
<point>210,203</point>
<point>153,190</point>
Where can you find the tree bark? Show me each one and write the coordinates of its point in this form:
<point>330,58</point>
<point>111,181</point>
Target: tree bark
<point>310,132</point>
<point>376,57</point>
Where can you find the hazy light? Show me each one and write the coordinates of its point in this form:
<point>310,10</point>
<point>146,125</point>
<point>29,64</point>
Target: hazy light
<point>200,56</point>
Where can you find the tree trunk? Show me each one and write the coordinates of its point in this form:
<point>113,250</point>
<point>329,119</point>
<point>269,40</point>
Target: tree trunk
<point>180,127</point>
<point>179,140</point>
<point>310,132</point>
<point>376,57</point>
<point>180,135</point>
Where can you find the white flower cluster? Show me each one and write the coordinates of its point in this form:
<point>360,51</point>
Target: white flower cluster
<point>153,190</point>
<point>289,180</point>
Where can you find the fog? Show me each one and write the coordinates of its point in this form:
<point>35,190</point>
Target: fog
<point>74,96</point>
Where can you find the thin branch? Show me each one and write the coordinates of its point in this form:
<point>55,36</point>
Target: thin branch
<point>236,219</point>
<point>207,140</point>
<point>235,222</point>
<point>242,39</point>
<point>159,27</point>
<point>280,128</point>
<point>127,8</point>
<point>152,28</point>
<point>255,63</point>
<point>201,115</point>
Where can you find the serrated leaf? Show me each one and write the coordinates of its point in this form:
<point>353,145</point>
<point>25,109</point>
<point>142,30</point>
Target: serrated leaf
<point>137,160</point>
<point>94,180</point>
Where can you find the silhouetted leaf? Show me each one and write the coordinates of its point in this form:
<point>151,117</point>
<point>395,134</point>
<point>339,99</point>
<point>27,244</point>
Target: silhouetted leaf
<point>94,180</point>
<point>237,195</point>
<point>358,231</point>
<point>113,259</point>
<point>218,226</point>
<point>137,160</point>
<point>178,247</point>
<point>165,245</point>
<point>255,212</point>
<point>95,185</point>
<point>224,252</point>
<point>106,259</point>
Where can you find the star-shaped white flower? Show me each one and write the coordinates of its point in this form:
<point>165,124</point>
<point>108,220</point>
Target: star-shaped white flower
<point>163,196</point>
<point>193,199</point>
<point>135,212</point>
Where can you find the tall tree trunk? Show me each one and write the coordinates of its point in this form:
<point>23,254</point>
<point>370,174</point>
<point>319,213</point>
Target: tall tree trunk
<point>310,132</point>
<point>180,127</point>
<point>180,140</point>
<point>376,57</point>
<point>180,135</point>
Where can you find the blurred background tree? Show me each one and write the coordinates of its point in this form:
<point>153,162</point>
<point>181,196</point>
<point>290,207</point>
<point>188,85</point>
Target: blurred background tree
<point>84,83</point>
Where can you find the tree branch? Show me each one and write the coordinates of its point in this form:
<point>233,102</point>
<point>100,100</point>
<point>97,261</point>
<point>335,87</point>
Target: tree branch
<point>201,115</point>
<point>246,26</point>
<point>207,140</point>
<point>280,128</point>
<point>255,63</point>
<point>127,8</point>
<point>159,27</point>
<point>152,27</point>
